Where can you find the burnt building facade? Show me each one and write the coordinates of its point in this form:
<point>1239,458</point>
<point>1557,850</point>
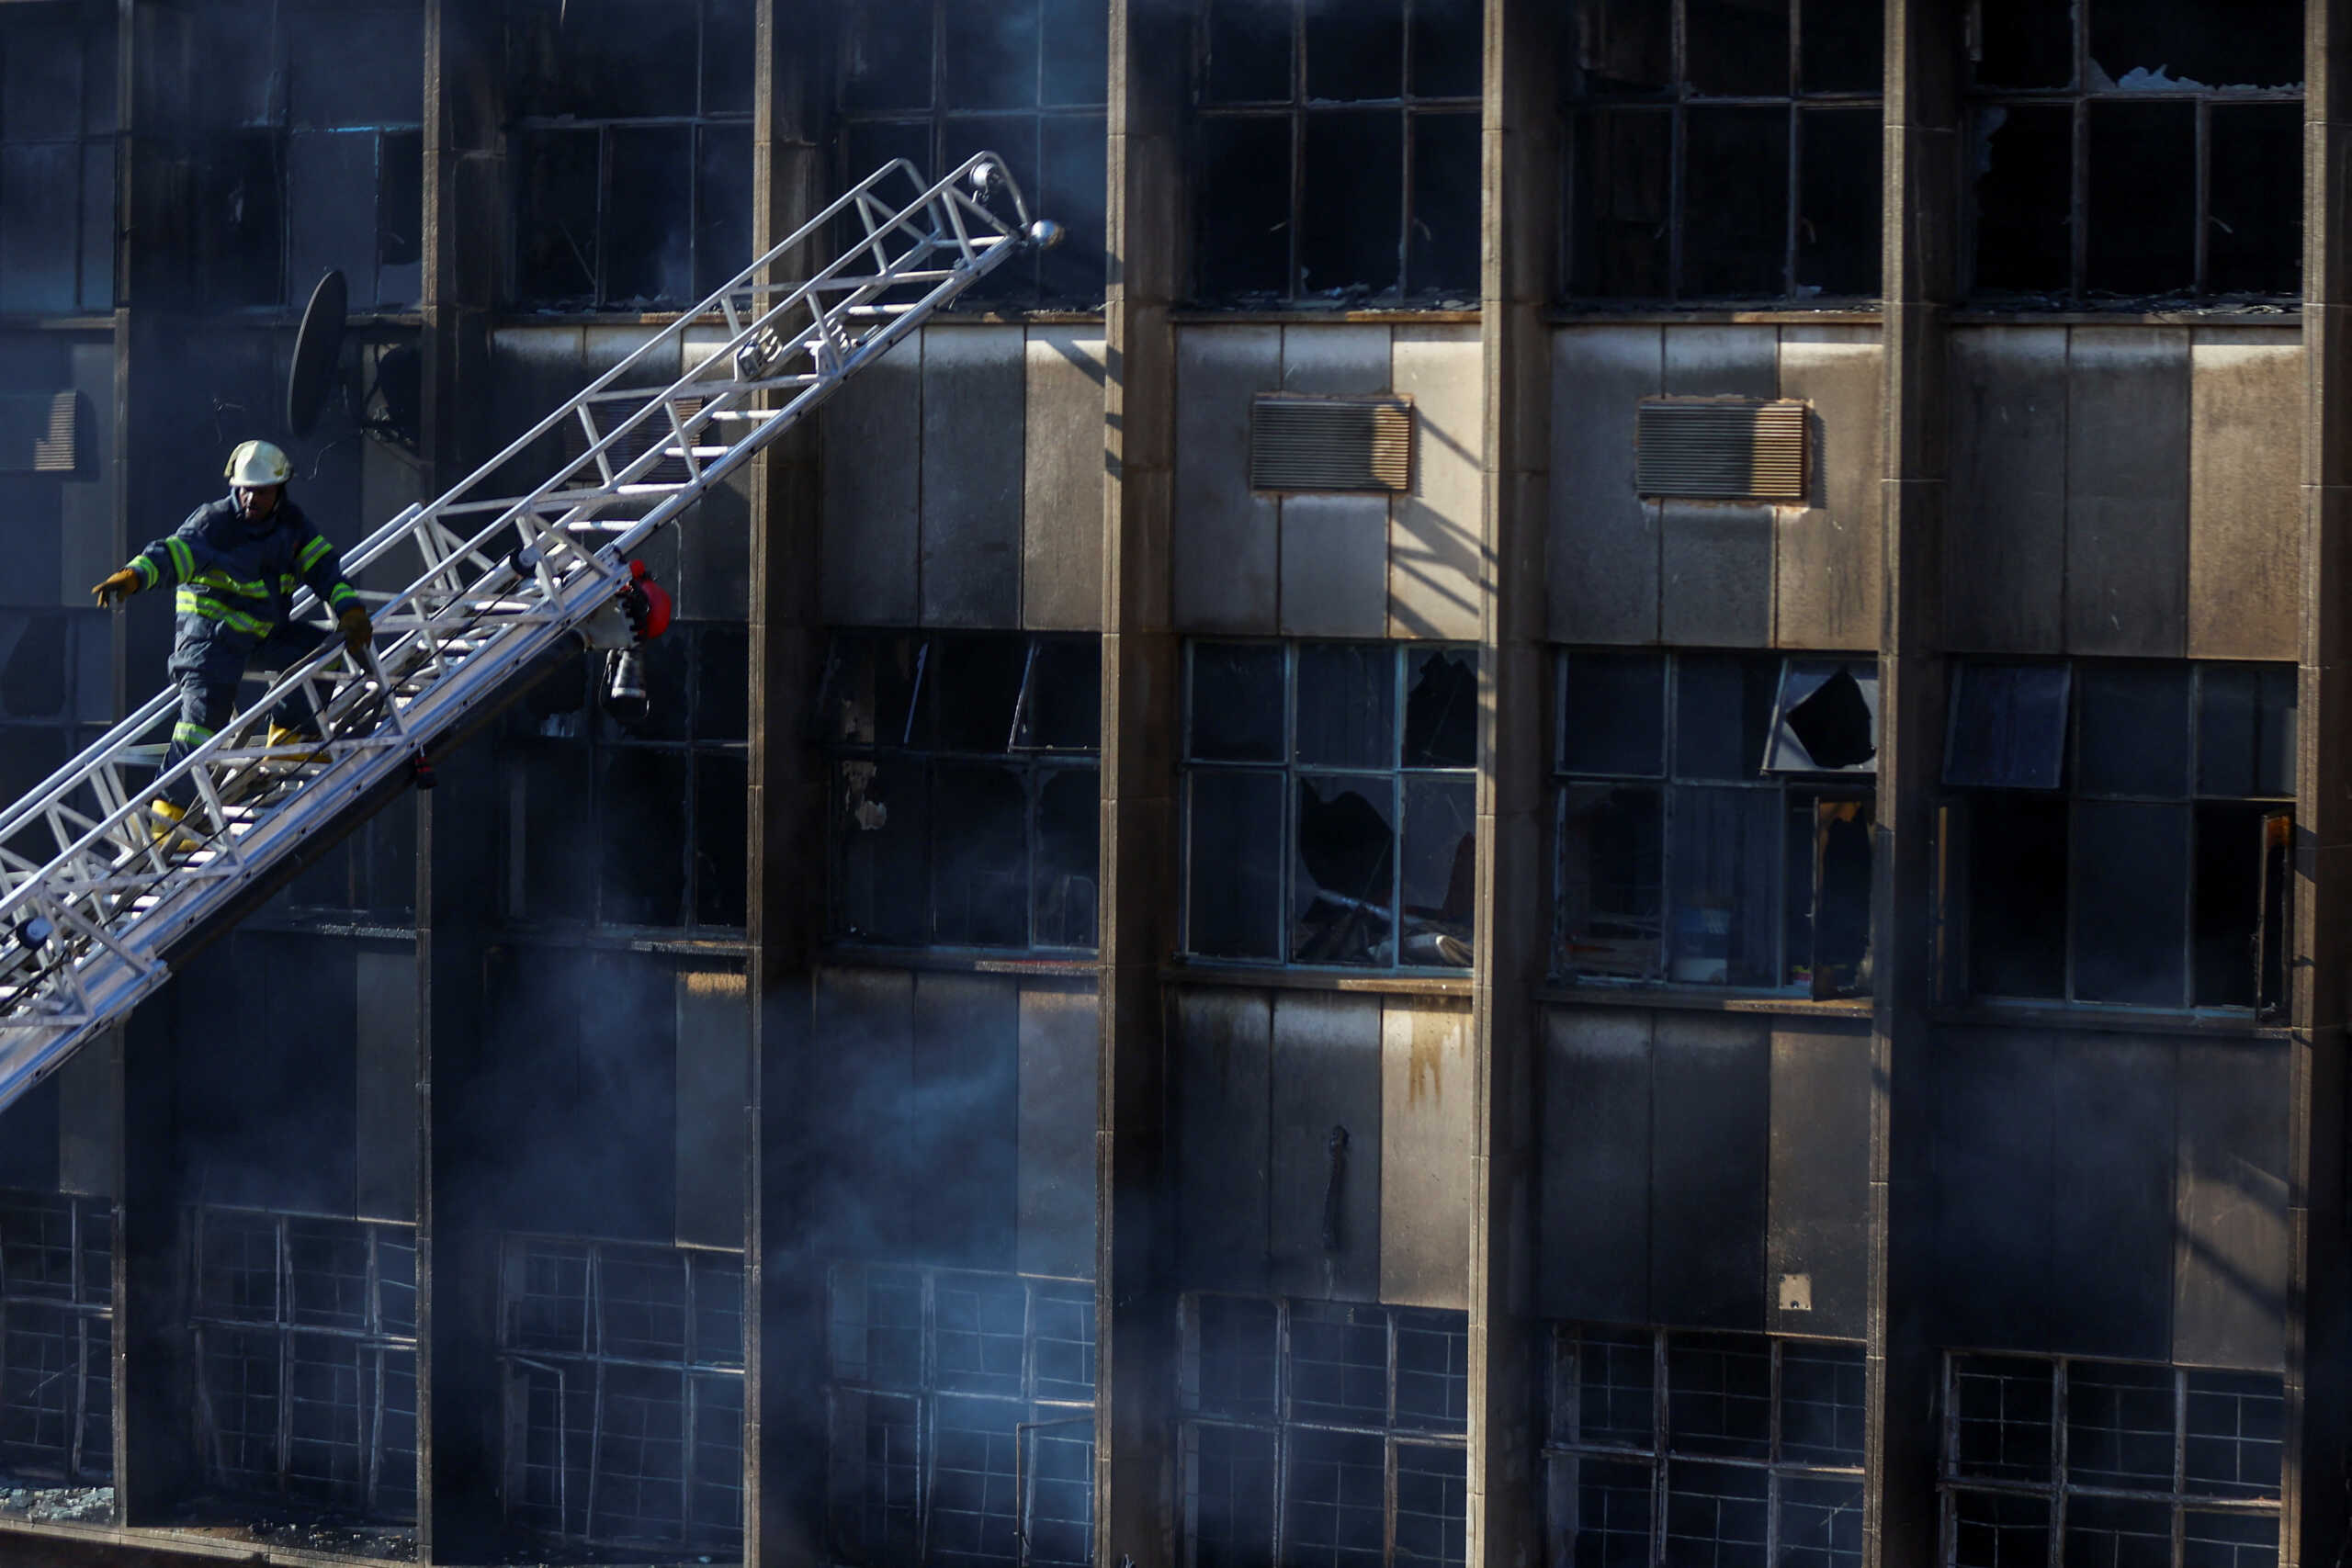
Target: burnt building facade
<point>1575,803</point>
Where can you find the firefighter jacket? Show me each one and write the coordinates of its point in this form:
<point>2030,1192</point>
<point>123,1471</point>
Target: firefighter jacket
<point>236,579</point>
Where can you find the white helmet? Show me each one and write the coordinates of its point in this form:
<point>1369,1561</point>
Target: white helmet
<point>256,463</point>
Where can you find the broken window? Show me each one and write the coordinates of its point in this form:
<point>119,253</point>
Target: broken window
<point>305,1346</point>
<point>57,158</point>
<point>935,80</point>
<point>622,1369</point>
<point>632,814</point>
<point>1753,1455</point>
<point>1330,808</point>
<point>2115,1459</point>
<point>963,1418</point>
<point>56,1337</point>
<point>632,148</point>
<point>1704,837</point>
<point>1722,149</point>
<point>2152,150</point>
<point>1340,149</point>
<point>964,789</point>
<point>2128,831</point>
<point>1317,1432</point>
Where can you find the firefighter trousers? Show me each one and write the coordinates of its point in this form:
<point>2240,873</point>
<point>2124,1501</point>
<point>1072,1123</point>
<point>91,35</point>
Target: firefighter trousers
<point>209,694</point>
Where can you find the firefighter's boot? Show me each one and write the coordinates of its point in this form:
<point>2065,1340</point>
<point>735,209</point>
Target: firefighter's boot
<point>171,828</point>
<point>281,738</point>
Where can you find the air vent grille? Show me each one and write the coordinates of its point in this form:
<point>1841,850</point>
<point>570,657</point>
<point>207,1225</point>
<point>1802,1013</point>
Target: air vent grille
<point>39,433</point>
<point>1330,444</point>
<point>1721,450</point>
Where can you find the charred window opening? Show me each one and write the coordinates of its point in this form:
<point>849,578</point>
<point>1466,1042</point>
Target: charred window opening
<point>1316,1432</point>
<point>935,80</point>
<point>56,1337</point>
<point>963,1418</point>
<point>1670,1448</point>
<point>305,1344</point>
<point>964,789</point>
<point>1715,817</point>
<point>2109,1461</point>
<point>1722,149</point>
<point>1337,146</point>
<point>1330,804</point>
<point>626,815</point>
<point>2124,150</point>
<point>2129,831</point>
<point>631,148</point>
<point>622,1373</point>
<point>57,158</point>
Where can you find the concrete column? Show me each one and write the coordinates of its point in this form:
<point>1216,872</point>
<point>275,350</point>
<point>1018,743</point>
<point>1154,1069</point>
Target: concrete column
<point>1134,1303</point>
<point>2315,1529</point>
<point>784,1435</point>
<point>1519,174</point>
<point>1920,237</point>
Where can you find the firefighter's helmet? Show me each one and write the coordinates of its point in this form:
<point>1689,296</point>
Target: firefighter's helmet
<point>257,463</point>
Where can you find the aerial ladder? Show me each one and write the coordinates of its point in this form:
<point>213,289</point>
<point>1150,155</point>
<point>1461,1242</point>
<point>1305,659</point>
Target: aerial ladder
<point>95,911</point>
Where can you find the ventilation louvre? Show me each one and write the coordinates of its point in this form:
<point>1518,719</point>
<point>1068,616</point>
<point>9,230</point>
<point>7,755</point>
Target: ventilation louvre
<point>39,433</point>
<point>1330,444</point>
<point>1721,450</point>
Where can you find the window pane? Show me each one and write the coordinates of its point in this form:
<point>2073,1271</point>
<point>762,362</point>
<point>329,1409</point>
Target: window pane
<point>1341,905</point>
<point>1241,241</point>
<point>1601,1511</point>
<point>1070,831</point>
<point>1990,1530</point>
<point>2003,1417</point>
<point>1828,717</point>
<point>1725,844</point>
<point>1719,1394</point>
<point>727,57</point>
<point>973,1513</point>
<point>1076,67</point>
<point>1838,201</point>
<point>2008,726</point>
<point>2253,230</point>
<point>1234,848</point>
<point>1607,1389</point>
<point>399,219</point>
<point>1234,1351</point>
<point>1611,868</point>
<point>1737,48</point>
<point>1433,1371</point>
<point>1237,702</point>
<point>1339,1364</point>
<point>2142,175</point>
<point>2246,731</point>
<point>1716,1514</point>
<point>1232,1496</point>
<point>1845,46</point>
<point>2257,43</point>
<point>1441,708</point>
<point>2131,903</point>
<point>1432,1503</point>
<point>1351,197</point>
<point>1442,258</point>
<point>1440,871</point>
<point>1723,710</point>
<point>883,845</point>
<point>1619,46</point>
<point>2229,1540</point>
<point>2236,1422</point>
<point>1250,46</point>
<point>721,784</point>
<point>555,247</point>
<point>1829,885</point>
<point>2109,1533</point>
<point>1347,705</point>
<point>723,205</point>
<point>885,52</point>
<point>1619,244</point>
<point>1335,1500</point>
<point>980,855</point>
<point>1821,1524</point>
<point>1735,203</point>
<point>975,685</point>
<point>1072,174</point>
<point>2133,737</point>
<point>2027,43</point>
<point>1448,41</point>
<point>2024,154</point>
<point>1613,719</point>
<point>871,687</point>
<point>1355,48</point>
<point>645,868</point>
<point>990,61</point>
<point>1061,702</point>
<point>2231,843</point>
<point>2119,1427</point>
<point>1821,1403</point>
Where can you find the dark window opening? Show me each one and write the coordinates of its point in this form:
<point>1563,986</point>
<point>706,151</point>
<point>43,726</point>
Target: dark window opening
<point>1343,771</point>
<point>964,788</point>
<point>2152,868</point>
<point>1703,835</point>
<point>1342,145</point>
<point>56,1337</point>
<point>57,160</point>
<point>1721,150</point>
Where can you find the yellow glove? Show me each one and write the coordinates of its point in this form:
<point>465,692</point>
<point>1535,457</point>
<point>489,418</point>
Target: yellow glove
<point>116,588</point>
<point>355,628</point>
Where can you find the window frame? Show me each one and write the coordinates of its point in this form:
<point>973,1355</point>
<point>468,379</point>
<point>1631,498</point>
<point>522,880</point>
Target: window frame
<point>83,1307</point>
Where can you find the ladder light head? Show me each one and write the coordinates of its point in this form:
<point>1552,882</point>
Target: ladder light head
<point>1044,233</point>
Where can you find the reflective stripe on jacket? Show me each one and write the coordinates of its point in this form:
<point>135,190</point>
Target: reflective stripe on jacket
<point>239,578</point>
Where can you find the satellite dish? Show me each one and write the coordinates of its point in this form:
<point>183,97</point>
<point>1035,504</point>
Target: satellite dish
<point>318,352</point>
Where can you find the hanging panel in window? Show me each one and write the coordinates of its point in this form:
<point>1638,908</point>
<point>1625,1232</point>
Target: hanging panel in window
<point>1344,871</point>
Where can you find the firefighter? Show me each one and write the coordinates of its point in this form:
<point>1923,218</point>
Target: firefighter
<point>236,562</point>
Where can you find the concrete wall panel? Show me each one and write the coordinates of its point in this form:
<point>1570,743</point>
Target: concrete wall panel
<point>1223,1061</point>
<point>1716,575</point>
<point>1326,1076</point>
<point>2127,491</point>
<point>1225,546</point>
<point>1335,566</point>
<point>1723,362</point>
<point>2005,547</point>
<point>2245,514</point>
<point>1061,529</point>
<point>975,382</point>
<point>872,509</point>
<point>1827,567</point>
<point>1711,1079</point>
<point>1061,1068</point>
<point>2113,1162</point>
<point>1603,557</point>
<point>714,1086</point>
<point>1425,1170</point>
<point>388,1071</point>
<point>1435,533</point>
<point>1341,360</point>
<point>1817,1242</point>
<point>2230,1261</point>
<point>967,1117</point>
<point>861,1072</point>
<point>1593,1260</point>
<point>1994,1132</point>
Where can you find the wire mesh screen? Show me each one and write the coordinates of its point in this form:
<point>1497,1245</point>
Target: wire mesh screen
<point>56,1335</point>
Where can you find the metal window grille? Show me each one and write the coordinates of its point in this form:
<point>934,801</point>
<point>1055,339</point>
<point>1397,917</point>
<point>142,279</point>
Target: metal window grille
<point>1718,450</point>
<point>57,1336</point>
<point>1668,1448</point>
<point>1325,1434</point>
<point>2054,1460</point>
<point>305,1336</point>
<point>623,1393</point>
<point>961,1410</point>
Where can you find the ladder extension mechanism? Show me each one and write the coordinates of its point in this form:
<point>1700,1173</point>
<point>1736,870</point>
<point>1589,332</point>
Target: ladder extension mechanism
<point>92,910</point>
